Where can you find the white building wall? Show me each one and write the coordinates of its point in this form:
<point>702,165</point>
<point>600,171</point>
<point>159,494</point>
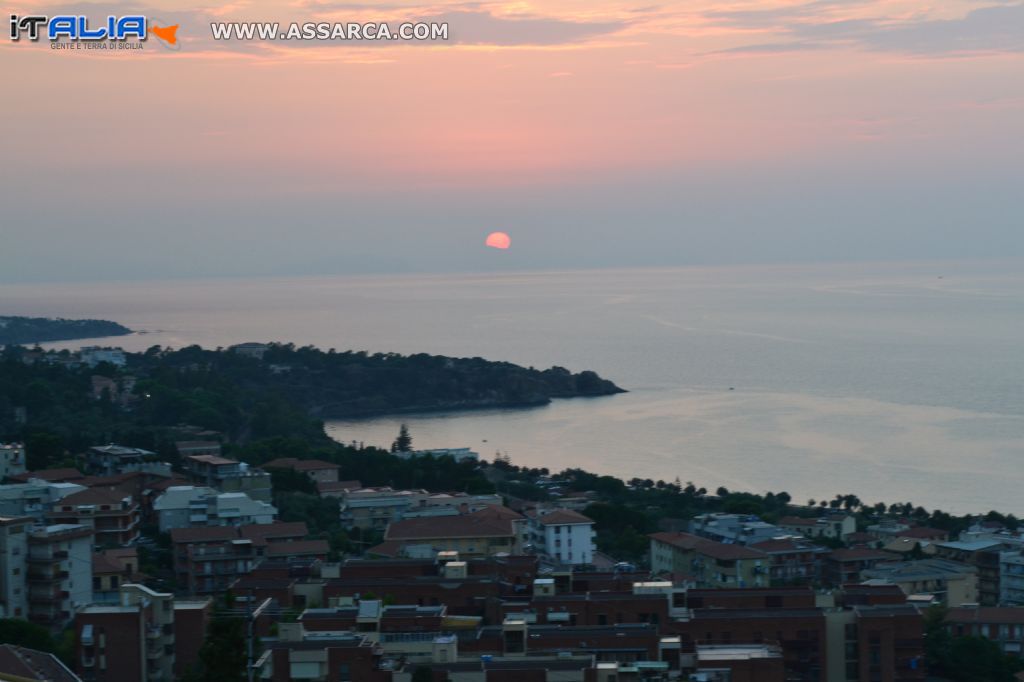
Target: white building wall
<point>570,543</point>
<point>13,589</point>
<point>79,581</point>
<point>189,506</point>
<point>12,459</point>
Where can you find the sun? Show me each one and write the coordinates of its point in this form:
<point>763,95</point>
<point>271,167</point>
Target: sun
<point>498,240</point>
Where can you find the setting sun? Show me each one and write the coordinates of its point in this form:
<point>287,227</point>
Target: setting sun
<point>498,240</point>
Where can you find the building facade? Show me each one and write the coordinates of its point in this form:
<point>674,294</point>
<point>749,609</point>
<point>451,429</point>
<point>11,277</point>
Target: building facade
<point>59,573</point>
<point>711,564</point>
<point>12,459</point>
<point>13,552</point>
<point>567,537</point>
<point>111,513</point>
<point>192,506</point>
<point>130,641</point>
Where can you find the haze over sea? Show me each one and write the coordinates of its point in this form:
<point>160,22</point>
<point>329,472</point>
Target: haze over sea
<point>895,382</point>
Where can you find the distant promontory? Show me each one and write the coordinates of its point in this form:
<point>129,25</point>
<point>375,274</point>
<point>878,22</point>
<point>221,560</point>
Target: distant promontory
<point>30,330</point>
<point>339,384</point>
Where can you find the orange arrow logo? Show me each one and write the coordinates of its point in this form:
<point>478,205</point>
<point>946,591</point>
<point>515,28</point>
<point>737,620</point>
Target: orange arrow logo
<point>169,34</point>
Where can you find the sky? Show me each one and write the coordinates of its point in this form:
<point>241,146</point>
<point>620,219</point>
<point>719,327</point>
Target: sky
<point>597,133</point>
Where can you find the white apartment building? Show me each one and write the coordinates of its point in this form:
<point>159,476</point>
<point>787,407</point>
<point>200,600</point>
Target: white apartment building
<point>94,355</point>
<point>13,550</point>
<point>59,573</point>
<point>188,506</point>
<point>565,536</point>
<point>738,529</point>
<point>458,454</point>
<point>377,507</point>
<point>12,459</point>
<point>1011,578</point>
<point>34,498</point>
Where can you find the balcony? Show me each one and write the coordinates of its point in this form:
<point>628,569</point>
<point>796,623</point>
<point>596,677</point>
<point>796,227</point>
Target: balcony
<point>47,558</point>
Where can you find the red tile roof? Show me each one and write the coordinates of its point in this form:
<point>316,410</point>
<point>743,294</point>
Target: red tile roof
<point>212,459</point>
<point>860,554</point>
<point>563,517</point>
<point>490,522</point>
<point>298,548</point>
<point>52,475</point>
<point>388,548</point>
<point>261,533</point>
<point>299,464</point>
<point>104,565</point>
<point>784,545</point>
<point>710,548</point>
<point>203,534</point>
<point>923,533</point>
<point>338,486</point>
<point>29,664</point>
<point>314,465</point>
<point>93,496</point>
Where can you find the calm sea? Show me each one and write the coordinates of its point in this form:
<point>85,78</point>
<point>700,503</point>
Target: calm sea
<point>896,382</point>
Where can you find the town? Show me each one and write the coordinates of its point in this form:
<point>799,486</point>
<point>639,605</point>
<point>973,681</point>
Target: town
<point>125,563</point>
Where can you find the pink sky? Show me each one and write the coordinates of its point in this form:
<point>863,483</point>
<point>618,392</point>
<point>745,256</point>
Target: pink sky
<point>525,99</point>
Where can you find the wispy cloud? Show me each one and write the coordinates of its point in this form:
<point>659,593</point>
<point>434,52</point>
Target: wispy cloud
<point>814,26</point>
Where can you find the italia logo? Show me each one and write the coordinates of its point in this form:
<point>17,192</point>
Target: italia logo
<point>79,28</point>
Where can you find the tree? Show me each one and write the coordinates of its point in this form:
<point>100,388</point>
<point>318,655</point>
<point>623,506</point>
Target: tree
<point>422,674</point>
<point>404,441</point>
<point>26,634</point>
<point>964,659</point>
<point>223,655</point>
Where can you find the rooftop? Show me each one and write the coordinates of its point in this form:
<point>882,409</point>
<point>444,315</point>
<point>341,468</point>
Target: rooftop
<point>715,550</point>
<point>492,521</point>
<point>29,664</point>
<point>212,460</point>
<point>562,517</point>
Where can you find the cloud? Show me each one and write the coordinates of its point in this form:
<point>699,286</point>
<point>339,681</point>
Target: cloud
<point>811,26</point>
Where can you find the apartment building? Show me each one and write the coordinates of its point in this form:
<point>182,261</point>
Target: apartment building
<point>12,459</point>
<point>188,448</point>
<point>193,506</point>
<point>564,536</point>
<point>111,513</point>
<point>209,559</point>
<point>229,476</point>
<point>317,470</point>
<point>131,641</point>
<point>793,561</point>
<point>711,564</point>
<point>375,508</point>
<point>1011,578</point>
<point>489,531</point>
<point>34,498</point>
<point>843,566</point>
<point>1003,625</point>
<point>835,526</point>
<point>740,529</point>
<point>13,552</point>
<point>108,460</point>
<point>58,570</point>
<point>985,556</point>
<point>458,454</point>
<point>949,582</point>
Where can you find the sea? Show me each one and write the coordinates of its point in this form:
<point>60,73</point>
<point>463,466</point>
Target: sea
<point>897,382</point>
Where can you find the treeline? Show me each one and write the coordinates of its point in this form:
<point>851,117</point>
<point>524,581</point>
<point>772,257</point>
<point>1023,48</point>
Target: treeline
<point>625,512</point>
